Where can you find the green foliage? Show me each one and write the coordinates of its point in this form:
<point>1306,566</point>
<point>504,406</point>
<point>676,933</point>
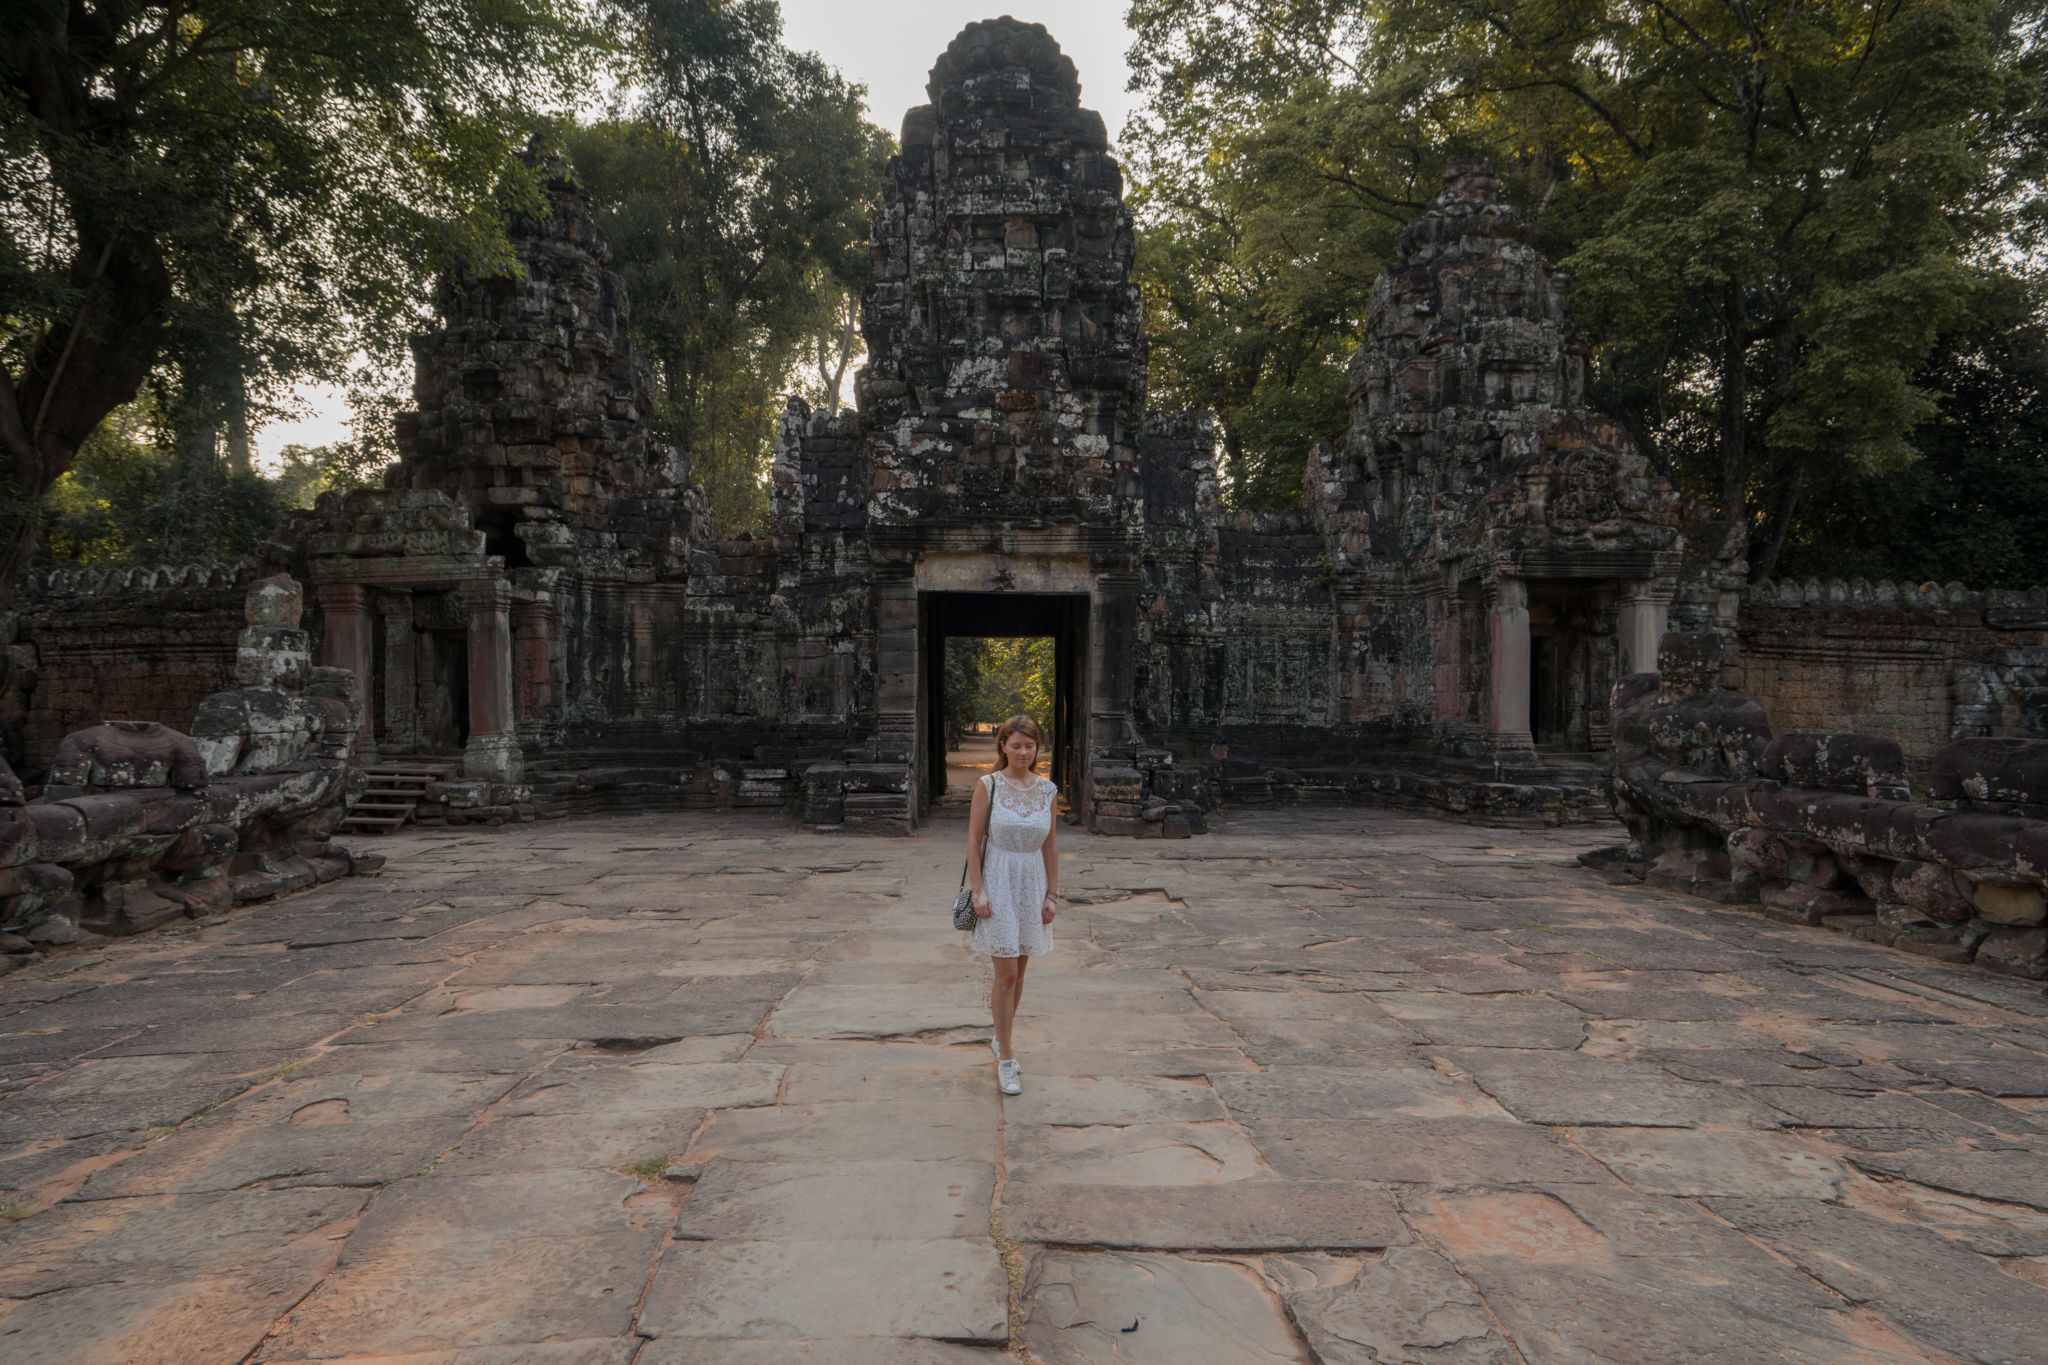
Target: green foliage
<point>236,194</point>
<point>988,681</point>
<point>1974,507</point>
<point>125,501</point>
<point>736,188</point>
<point>1772,212</point>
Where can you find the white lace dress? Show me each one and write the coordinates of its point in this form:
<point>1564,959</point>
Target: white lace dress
<point>1013,871</point>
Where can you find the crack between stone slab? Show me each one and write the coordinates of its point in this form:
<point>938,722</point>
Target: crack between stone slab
<point>1008,1251</point>
<point>1424,1240</point>
<point>71,1179</point>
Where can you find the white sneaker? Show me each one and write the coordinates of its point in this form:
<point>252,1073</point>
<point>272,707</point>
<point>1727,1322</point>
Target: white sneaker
<point>1010,1077</point>
<point>997,1048</point>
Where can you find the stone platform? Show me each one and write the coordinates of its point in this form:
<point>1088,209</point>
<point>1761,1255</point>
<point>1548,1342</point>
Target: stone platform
<point>1330,1085</point>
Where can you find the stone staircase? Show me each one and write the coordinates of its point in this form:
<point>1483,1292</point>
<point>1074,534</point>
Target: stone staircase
<point>394,795</point>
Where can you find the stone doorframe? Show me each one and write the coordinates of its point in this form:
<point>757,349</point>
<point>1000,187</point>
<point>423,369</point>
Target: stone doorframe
<point>1644,584</point>
<point>350,611</point>
<point>1065,561</point>
<point>1062,617</point>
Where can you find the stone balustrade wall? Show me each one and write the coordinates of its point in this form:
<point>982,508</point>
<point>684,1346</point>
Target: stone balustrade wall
<point>132,644</point>
<point>1923,663</point>
<point>1825,828</point>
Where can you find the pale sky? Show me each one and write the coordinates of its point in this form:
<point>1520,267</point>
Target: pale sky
<point>888,48</point>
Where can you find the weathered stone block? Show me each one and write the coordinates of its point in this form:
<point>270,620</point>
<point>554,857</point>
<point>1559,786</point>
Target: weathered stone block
<point>2016,952</point>
<point>2008,903</point>
<point>126,754</point>
<point>1929,889</point>
<point>1866,765</point>
<point>1994,772</point>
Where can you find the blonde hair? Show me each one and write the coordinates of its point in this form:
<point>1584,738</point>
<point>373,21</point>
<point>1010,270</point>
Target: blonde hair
<point>1016,725</point>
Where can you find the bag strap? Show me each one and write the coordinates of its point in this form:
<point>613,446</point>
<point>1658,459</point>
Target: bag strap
<point>991,780</point>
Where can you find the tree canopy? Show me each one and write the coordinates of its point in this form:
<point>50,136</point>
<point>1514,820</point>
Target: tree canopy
<point>736,185</point>
<point>238,194</point>
<point>1775,214</point>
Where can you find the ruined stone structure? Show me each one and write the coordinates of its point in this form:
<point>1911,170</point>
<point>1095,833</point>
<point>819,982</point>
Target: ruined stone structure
<point>535,598</point>
<point>1825,828</point>
<point>1923,663</point>
<point>137,823</point>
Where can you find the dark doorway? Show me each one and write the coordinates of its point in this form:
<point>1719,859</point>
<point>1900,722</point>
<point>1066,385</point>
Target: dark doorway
<point>1570,666</point>
<point>443,663</point>
<point>1002,616</point>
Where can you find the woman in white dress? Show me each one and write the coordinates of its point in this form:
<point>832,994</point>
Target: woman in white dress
<point>1013,867</point>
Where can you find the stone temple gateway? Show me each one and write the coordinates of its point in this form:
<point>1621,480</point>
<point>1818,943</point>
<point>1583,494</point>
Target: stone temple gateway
<point>538,590</point>
<point>537,603</point>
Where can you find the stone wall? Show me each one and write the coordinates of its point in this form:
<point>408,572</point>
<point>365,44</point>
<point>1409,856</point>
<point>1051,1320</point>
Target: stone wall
<point>1824,827</point>
<point>125,644</point>
<point>140,822</point>
<point>1924,664</point>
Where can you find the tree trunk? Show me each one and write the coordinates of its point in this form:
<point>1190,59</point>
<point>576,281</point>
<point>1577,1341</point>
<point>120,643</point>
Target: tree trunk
<point>1735,412</point>
<point>1765,562</point>
<point>76,374</point>
<point>239,462</point>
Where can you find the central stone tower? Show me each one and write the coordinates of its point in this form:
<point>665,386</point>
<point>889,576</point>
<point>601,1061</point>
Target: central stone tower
<point>997,446</point>
<point>1007,361</point>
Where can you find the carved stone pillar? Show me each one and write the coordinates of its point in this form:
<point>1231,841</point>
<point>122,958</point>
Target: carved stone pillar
<point>345,643</point>
<point>1639,623</point>
<point>1451,703</point>
<point>1507,692</point>
<point>536,694</point>
<point>401,674</point>
<point>492,752</point>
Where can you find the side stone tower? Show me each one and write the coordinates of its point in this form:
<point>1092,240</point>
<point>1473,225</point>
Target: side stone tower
<point>1503,553</point>
<point>1006,371</point>
<point>530,410</point>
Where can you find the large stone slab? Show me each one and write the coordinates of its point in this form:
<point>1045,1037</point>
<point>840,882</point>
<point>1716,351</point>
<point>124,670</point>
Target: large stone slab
<point>952,1288</point>
<point>449,1262</point>
<point>380,1096</point>
<point>1129,1154</point>
<point>1320,1092</point>
<point>1566,1290</point>
<point>75,1245</point>
<point>827,1200</point>
<point>827,1351</point>
<point>1248,1215</point>
<point>647,1087</point>
<point>1690,1162</point>
<point>1937,1293</point>
<point>825,1011</point>
<point>1578,1090</point>
<point>124,1094</point>
<point>1515,1021</point>
<point>823,1072</point>
<point>191,1320</point>
<point>2012,1177</point>
<point>868,1131</point>
<point>1815,1108</point>
<point>1451,1152</point>
<point>230,1152</point>
<point>612,1140</point>
<point>1078,1101</point>
<point>1409,1305</point>
<point>2018,1075</point>
<point>1077,1307</point>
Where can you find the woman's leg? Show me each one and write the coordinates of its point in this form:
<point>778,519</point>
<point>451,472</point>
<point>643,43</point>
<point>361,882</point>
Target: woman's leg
<point>1002,999</point>
<point>1017,988</point>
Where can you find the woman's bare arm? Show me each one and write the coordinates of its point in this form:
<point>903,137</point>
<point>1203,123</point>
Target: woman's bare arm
<point>1050,851</point>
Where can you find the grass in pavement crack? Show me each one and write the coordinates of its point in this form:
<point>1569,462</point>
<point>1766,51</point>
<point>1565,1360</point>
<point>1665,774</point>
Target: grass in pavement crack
<point>1013,1270</point>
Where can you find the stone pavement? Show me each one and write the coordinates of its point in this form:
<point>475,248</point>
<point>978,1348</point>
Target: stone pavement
<point>1331,1086</point>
